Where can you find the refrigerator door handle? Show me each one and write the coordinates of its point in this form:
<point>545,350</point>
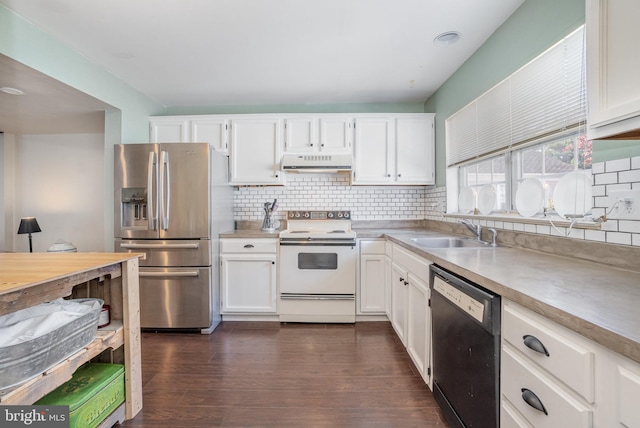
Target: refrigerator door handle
<point>187,273</point>
<point>152,173</point>
<point>165,190</point>
<point>160,246</point>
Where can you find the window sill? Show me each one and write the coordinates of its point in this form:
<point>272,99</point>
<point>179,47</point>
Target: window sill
<point>515,218</point>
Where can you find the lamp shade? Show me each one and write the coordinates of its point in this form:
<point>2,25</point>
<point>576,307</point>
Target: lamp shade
<point>28,225</point>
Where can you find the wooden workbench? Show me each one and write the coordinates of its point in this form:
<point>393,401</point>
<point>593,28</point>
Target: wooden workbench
<point>27,279</point>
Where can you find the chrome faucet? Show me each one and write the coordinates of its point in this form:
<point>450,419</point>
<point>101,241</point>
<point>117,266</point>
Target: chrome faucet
<point>475,229</point>
<point>494,235</point>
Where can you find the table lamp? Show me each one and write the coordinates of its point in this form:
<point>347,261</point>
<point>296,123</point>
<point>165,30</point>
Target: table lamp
<point>28,225</point>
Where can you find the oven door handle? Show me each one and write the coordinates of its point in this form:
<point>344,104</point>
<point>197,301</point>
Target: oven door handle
<point>317,297</point>
<point>318,244</point>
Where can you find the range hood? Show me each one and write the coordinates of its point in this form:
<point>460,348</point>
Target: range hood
<point>339,162</point>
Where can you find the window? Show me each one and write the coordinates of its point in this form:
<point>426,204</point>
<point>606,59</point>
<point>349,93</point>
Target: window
<point>529,126</point>
<point>491,171</point>
<point>549,162</point>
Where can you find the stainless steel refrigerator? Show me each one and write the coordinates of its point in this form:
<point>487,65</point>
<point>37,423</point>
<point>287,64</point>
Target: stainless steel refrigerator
<point>171,202</point>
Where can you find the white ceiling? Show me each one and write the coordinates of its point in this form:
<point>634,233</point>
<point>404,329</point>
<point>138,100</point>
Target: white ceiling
<point>253,52</point>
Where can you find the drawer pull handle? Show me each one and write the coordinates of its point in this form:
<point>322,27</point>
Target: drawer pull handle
<point>248,246</point>
<point>534,343</point>
<point>532,399</point>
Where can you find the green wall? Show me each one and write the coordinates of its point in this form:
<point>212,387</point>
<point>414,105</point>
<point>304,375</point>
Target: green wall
<point>126,122</point>
<point>533,28</point>
<point>606,150</point>
<point>25,43</point>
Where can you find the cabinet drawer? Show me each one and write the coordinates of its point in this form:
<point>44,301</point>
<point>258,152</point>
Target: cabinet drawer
<point>372,247</point>
<point>510,417</point>
<point>248,245</point>
<point>413,263</point>
<point>560,409</point>
<point>568,357</point>
<point>628,381</point>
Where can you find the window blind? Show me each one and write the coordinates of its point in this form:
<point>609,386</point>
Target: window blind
<point>545,97</point>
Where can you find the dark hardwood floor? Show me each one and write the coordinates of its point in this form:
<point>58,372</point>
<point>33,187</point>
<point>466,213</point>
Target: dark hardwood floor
<point>267,374</point>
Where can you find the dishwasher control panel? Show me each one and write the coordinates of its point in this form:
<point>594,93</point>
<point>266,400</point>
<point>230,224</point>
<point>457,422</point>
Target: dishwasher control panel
<point>465,302</point>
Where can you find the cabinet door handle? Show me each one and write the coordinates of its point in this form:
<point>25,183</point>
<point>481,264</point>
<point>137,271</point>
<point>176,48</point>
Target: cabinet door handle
<point>534,343</point>
<point>249,246</point>
<point>532,399</point>
<point>406,283</point>
<point>401,279</point>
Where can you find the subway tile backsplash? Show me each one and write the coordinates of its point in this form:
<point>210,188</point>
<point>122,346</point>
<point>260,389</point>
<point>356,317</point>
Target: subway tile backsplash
<point>334,191</point>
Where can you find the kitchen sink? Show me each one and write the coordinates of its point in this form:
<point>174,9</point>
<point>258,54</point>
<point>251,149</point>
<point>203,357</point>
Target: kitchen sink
<point>444,242</point>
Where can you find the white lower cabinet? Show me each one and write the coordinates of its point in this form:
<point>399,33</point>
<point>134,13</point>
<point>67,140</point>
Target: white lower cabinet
<point>373,285</point>
<point>388,254</point>
<point>399,282</point>
<point>410,311</point>
<point>248,272</point>
<point>554,377</point>
<point>538,397</point>
<point>626,375</point>
<point>419,324</point>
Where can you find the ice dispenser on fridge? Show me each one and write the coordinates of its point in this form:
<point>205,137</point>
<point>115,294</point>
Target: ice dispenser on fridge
<point>134,207</point>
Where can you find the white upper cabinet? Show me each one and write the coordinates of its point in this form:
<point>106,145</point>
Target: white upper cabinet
<point>256,151</point>
<point>301,135</point>
<point>415,150</point>
<point>336,134</point>
<point>169,129</point>
<point>318,133</point>
<point>388,148</point>
<point>212,130</point>
<point>374,151</point>
<point>613,81</point>
<point>395,149</point>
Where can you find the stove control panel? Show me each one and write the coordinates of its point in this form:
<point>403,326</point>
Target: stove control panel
<point>319,215</point>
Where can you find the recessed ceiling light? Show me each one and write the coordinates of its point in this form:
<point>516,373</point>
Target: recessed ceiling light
<point>11,91</point>
<point>448,38</point>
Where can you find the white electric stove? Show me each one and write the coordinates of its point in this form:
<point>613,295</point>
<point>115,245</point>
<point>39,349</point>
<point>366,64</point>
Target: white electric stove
<point>318,258</point>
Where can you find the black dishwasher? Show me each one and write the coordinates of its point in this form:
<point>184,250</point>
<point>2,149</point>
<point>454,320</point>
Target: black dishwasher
<point>466,350</point>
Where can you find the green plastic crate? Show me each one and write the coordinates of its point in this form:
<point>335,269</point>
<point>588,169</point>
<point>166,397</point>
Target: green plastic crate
<point>93,393</point>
